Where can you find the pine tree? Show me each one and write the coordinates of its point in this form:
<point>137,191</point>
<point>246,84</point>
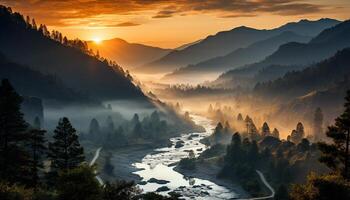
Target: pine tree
<point>110,124</point>
<point>265,130</point>
<point>94,129</point>
<point>239,117</point>
<point>37,148</point>
<point>218,133</point>
<point>336,154</point>
<point>275,133</point>
<point>298,134</point>
<point>210,109</point>
<point>34,24</point>
<point>13,158</point>
<point>37,123</point>
<point>135,119</point>
<point>318,124</point>
<point>234,150</point>
<point>65,151</point>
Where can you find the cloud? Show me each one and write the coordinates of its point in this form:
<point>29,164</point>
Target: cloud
<point>124,24</point>
<point>165,14</point>
<point>59,12</point>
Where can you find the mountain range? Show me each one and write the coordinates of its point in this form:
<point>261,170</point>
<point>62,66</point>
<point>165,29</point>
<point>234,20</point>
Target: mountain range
<point>226,42</point>
<point>322,85</point>
<point>253,53</point>
<point>292,56</point>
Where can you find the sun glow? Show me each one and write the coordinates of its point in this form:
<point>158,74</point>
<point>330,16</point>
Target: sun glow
<point>97,40</point>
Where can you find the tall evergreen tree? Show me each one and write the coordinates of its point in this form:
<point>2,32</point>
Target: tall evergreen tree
<point>65,151</point>
<point>298,134</point>
<point>110,124</point>
<point>318,124</point>
<point>239,117</point>
<point>336,154</point>
<point>94,129</point>
<point>37,148</point>
<point>218,133</point>
<point>13,135</point>
<point>265,130</point>
<point>275,133</point>
<point>37,123</point>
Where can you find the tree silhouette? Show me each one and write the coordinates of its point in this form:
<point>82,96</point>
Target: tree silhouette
<point>239,117</point>
<point>12,135</point>
<point>37,148</point>
<point>65,151</point>
<point>298,134</point>
<point>318,124</point>
<point>94,129</point>
<point>275,133</point>
<point>265,130</point>
<point>336,154</point>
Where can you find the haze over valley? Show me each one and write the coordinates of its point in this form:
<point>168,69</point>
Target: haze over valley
<point>168,100</point>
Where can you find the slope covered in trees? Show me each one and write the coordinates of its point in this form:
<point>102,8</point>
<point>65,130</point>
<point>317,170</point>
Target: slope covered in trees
<point>71,61</point>
<point>33,83</point>
<point>320,76</point>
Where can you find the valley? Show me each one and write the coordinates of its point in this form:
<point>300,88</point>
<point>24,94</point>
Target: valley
<point>173,100</point>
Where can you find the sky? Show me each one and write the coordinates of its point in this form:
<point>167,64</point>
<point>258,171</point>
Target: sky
<point>170,23</point>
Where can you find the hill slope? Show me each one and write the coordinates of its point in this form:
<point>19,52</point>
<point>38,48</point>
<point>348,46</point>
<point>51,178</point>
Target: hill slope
<point>297,54</point>
<point>77,70</point>
<point>32,83</point>
<point>227,41</point>
<point>242,56</point>
<point>321,76</point>
<point>128,55</point>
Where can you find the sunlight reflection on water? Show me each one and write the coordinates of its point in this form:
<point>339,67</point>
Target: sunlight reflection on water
<point>156,166</point>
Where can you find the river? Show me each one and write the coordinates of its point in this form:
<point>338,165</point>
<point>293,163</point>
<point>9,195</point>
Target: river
<point>158,165</point>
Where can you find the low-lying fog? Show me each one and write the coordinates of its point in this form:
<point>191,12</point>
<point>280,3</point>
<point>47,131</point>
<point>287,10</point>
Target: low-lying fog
<point>81,116</point>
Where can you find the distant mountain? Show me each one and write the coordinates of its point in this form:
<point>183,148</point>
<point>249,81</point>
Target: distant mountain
<point>227,41</point>
<point>28,82</point>
<point>299,93</point>
<point>323,46</point>
<point>184,46</point>
<point>319,77</point>
<point>128,55</point>
<point>27,45</point>
<point>253,53</point>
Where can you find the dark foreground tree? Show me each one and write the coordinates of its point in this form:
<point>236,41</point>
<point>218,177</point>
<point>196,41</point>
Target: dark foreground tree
<point>318,125</point>
<point>37,148</point>
<point>326,187</point>
<point>336,154</point>
<point>120,190</point>
<point>78,183</point>
<point>13,136</point>
<point>65,151</point>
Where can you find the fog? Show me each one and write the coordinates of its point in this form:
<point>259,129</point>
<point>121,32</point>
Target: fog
<point>277,115</point>
<point>80,116</point>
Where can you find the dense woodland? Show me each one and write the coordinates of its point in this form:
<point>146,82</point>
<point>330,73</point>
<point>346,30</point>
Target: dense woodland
<point>320,159</point>
<point>35,166</point>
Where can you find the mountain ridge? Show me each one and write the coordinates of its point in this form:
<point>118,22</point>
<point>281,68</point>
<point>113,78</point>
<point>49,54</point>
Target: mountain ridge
<point>225,42</point>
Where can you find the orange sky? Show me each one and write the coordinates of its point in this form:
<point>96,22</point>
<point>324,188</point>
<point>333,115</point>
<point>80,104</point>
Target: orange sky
<point>170,23</point>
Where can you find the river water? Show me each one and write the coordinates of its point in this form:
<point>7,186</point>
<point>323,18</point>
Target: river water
<point>156,165</point>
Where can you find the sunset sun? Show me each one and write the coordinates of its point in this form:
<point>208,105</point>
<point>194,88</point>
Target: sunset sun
<point>97,40</point>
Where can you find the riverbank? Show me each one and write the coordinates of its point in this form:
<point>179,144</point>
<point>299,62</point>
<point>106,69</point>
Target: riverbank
<point>122,160</point>
<point>208,171</point>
